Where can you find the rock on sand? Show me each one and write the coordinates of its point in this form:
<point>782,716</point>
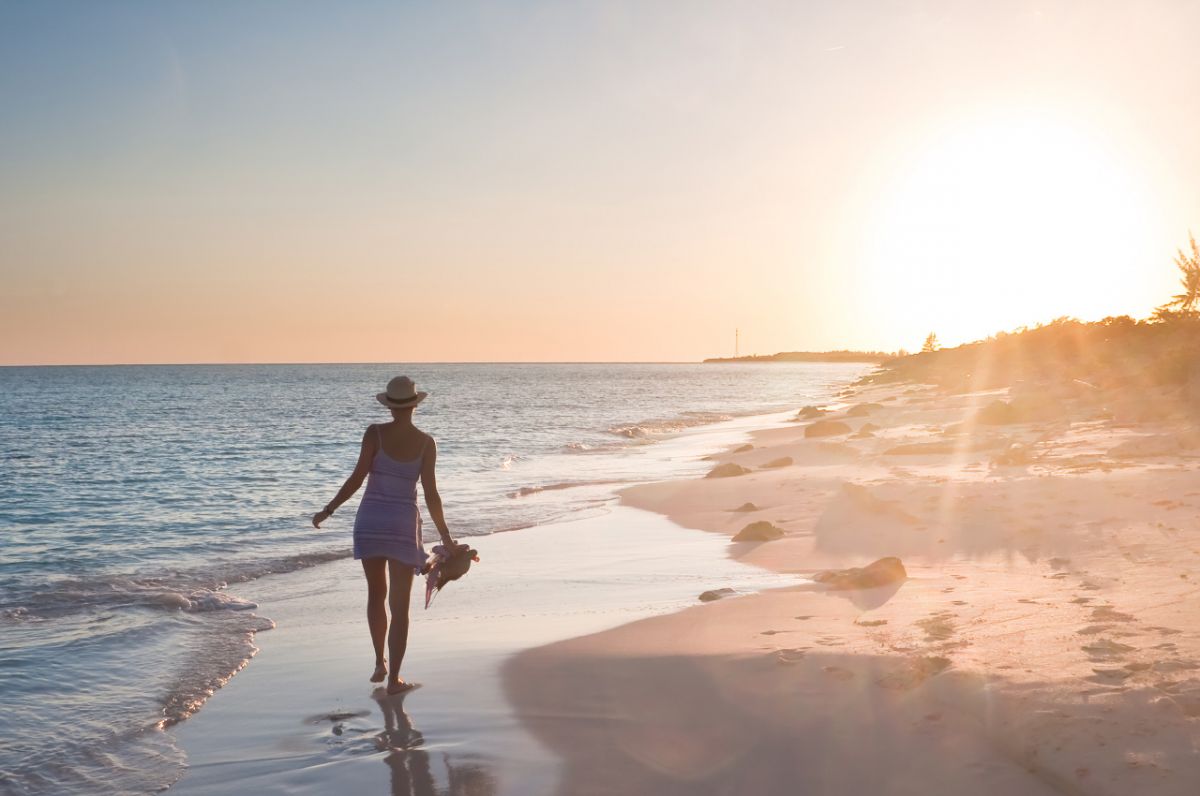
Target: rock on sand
<point>827,428</point>
<point>761,531</point>
<point>726,470</point>
<point>878,573</point>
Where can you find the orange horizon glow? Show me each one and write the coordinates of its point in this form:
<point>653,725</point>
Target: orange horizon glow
<point>582,186</point>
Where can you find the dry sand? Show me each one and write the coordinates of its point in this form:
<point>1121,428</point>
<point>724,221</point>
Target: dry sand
<point>1047,639</point>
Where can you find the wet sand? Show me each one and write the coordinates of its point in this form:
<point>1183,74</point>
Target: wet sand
<point>303,718</point>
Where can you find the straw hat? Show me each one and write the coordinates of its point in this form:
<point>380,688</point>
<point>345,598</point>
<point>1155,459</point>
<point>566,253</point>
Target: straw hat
<point>401,394</point>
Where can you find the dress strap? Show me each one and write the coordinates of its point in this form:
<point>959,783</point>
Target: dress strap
<point>379,437</point>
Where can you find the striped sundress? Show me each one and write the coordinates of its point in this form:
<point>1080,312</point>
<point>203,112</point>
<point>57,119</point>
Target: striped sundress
<point>388,522</point>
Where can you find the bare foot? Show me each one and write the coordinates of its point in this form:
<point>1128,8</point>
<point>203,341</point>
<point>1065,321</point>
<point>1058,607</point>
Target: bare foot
<point>380,673</point>
<point>399,687</point>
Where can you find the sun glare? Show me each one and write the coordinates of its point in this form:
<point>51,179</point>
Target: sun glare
<point>1006,222</point>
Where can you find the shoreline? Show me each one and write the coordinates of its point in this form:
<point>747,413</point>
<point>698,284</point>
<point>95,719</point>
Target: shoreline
<point>273,728</point>
<point>1045,640</point>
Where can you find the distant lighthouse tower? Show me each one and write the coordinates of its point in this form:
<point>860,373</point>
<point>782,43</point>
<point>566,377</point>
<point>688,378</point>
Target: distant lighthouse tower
<point>737,342</point>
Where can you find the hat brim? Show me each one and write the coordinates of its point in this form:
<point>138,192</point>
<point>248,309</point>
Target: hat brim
<point>382,397</point>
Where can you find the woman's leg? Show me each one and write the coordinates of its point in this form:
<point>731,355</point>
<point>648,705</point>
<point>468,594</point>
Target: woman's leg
<point>401,588</point>
<point>377,619</point>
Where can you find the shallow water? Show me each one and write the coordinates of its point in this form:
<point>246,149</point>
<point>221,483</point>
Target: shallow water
<point>133,500</point>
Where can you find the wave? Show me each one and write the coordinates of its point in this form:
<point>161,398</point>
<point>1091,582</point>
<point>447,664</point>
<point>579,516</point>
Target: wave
<point>662,427</point>
<point>195,591</point>
<point>211,661</point>
<point>525,491</point>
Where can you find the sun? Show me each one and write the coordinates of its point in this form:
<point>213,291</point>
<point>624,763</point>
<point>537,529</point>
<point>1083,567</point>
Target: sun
<point>1006,221</point>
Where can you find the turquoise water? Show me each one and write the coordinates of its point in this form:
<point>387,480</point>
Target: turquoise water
<point>133,500</point>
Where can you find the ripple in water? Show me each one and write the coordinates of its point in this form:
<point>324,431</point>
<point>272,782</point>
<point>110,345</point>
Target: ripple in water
<point>129,520</point>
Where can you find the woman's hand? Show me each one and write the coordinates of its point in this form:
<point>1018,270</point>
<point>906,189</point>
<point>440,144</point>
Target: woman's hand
<point>320,517</point>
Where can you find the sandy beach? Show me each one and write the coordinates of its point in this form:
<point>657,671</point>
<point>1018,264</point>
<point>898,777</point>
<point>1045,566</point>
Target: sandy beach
<point>1046,638</point>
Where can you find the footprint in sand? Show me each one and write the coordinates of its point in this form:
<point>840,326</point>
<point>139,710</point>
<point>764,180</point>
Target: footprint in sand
<point>1092,630</point>
<point>1177,665</point>
<point>1109,676</point>
<point>958,602</point>
<point>791,654</point>
<point>871,622</point>
<point>1106,649</point>
<point>914,672</point>
<point>1106,613</point>
<point>802,618</point>
<point>838,673</point>
<point>1165,631</point>
<point>337,716</point>
<point>938,627</point>
<point>826,641</point>
<point>773,632</point>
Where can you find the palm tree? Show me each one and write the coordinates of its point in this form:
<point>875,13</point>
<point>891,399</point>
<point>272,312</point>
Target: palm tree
<point>1189,269</point>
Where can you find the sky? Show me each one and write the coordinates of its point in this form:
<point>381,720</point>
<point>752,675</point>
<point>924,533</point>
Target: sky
<point>562,181</point>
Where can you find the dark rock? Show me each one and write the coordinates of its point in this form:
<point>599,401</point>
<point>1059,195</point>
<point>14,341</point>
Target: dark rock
<point>744,448</point>
<point>747,507</point>
<point>997,413</point>
<point>761,531</point>
<point>865,431</point>
<point>883,572</point>
<point>726,470</point>
<point>1029,408</point>
<point>715,594</point>
<point>862,410</point>
<point>827,428</point>
<point>783,461</point>
<point>810,413</point>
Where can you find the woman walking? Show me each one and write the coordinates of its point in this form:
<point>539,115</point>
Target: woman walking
<point>387,527</point>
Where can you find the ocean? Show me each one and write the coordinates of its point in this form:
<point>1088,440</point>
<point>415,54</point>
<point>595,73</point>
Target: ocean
<point>134,500</point>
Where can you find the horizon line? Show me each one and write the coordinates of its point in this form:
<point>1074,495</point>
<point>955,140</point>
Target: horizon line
<point>410,362</point>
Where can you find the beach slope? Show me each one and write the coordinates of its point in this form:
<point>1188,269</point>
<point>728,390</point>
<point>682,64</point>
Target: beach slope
<point>1046,638</point>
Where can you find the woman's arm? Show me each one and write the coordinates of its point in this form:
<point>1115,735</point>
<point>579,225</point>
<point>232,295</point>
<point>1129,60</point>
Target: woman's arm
<point>433,501</point>
<point>365,455</point>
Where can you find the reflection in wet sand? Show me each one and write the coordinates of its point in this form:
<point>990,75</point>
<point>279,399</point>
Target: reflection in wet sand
<point>411,766</point>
